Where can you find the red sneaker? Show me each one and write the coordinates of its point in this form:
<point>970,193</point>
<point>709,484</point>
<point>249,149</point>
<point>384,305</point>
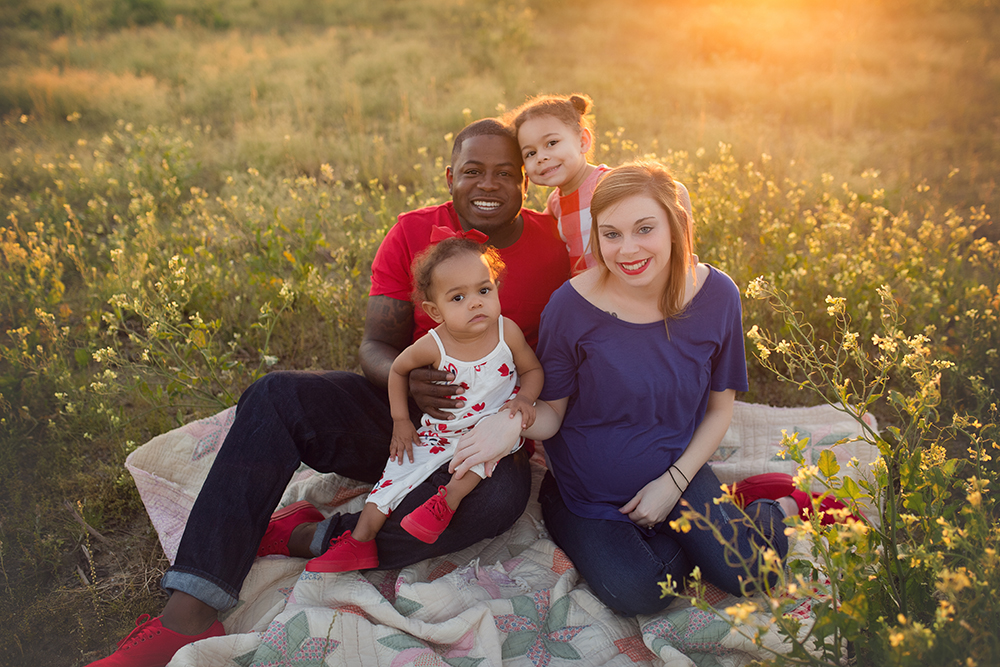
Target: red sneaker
<point>279,529</point>
<point>427,522</point>
<point>152,645</point>
<point>804,501</point>
<point>345,554</point>
<point>774,485</point>
<point>770,485</point>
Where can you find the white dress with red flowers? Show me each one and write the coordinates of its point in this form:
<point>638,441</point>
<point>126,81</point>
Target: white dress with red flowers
<point>488,383</point>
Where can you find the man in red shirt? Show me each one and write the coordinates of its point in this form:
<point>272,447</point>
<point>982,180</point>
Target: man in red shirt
<point>340,422</point>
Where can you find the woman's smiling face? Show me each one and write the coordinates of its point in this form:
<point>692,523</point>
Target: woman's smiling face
<point>635,241</point>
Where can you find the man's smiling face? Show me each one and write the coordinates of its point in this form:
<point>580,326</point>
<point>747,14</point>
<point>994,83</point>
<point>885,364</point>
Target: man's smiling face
<point>487,184</point>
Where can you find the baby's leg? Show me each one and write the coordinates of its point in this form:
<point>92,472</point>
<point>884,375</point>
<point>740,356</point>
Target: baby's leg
<point>370,522</point>
<point>458,489</point>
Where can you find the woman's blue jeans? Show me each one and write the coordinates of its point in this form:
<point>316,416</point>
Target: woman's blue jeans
<point>333,422</point>
<point>624,564</point>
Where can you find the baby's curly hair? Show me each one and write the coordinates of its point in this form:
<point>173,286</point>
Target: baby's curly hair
<point>430,258</point>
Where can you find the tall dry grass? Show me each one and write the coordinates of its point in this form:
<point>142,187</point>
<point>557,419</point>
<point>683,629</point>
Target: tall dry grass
<point>899,86</point>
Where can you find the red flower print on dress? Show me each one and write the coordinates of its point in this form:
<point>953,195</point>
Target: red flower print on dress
<point>437,449</point>
<point>450,368</point>
<point>504,371</point>
<point>478,407</point>
<point>386,483</point>
<point>464,385</point>
<point>478,367</point>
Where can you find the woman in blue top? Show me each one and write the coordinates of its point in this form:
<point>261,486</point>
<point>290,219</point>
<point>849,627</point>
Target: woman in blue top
<point>643,356</point>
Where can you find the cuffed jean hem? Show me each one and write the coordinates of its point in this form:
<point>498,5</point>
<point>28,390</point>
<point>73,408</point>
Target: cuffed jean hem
<point>320,540</point>
<point>198,587</point>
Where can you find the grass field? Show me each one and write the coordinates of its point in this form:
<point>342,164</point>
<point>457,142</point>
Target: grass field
<point>192,194</point>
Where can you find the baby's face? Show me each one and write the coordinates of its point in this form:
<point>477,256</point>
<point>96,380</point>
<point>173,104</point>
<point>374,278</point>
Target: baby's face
<point>464,293</point>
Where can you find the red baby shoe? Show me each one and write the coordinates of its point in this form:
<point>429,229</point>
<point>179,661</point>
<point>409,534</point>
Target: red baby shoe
<point>427,522</point>
<point>345,554</point>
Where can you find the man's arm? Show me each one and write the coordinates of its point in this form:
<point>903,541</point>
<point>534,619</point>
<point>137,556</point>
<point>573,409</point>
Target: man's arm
<point>388,331</point>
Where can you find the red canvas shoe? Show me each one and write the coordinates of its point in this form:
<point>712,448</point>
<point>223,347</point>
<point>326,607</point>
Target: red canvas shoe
<point>774,485</point>
<point>804,501</point>
<point>282,523</point>
<point>152,645</point>
<point>427,522</point>
<point>770,485</point>
<point>345,554</point>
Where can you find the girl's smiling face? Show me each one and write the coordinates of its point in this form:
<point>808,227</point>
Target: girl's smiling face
<point>635,241</point>
<point>555,154</point>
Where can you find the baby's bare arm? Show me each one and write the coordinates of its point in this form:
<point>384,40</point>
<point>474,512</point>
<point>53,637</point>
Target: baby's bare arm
<point>422,353</point>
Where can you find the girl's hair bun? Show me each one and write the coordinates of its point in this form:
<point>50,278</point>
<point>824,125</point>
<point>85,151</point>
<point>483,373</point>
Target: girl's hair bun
<point>569,109</point>
<point>582,103</point>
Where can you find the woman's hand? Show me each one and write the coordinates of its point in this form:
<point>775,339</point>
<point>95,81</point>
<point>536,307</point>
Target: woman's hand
<point>491,439</point>
<point>651,505</point>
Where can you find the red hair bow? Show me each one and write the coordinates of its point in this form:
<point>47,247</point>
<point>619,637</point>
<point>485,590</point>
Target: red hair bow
<point>439,234</point>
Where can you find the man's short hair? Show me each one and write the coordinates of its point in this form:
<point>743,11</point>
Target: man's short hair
<point>486,127</point>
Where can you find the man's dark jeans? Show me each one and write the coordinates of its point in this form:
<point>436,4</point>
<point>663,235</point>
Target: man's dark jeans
<point>333,422</point>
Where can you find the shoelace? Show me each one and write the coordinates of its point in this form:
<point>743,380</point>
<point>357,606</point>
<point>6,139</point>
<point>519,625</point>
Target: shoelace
<point>141,629</point>
<point>337,540</point>
<point>438,507</point>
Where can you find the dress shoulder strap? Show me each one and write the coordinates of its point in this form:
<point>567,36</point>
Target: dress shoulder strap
<point>500,323</point>
<point>437,340</point>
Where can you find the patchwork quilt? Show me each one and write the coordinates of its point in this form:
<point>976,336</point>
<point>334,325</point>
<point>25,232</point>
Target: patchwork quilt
<point>515,600</point>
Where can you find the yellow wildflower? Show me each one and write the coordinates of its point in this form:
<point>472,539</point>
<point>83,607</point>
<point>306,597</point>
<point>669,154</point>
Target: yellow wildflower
<point>952,581</point>
<point>741,612</point>
<point>836,305</point>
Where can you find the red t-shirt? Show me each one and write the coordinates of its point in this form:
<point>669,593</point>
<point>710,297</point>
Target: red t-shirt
<point>537,263</point>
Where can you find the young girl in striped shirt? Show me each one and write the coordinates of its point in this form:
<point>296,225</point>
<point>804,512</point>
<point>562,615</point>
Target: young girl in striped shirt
<point>557,139</point>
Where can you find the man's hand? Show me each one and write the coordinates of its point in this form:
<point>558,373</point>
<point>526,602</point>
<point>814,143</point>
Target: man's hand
<point>430,396</point>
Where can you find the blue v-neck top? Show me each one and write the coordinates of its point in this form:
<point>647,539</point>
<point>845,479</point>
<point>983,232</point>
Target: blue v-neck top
<point>636,395</point>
